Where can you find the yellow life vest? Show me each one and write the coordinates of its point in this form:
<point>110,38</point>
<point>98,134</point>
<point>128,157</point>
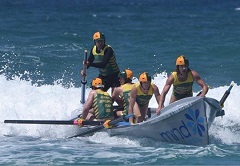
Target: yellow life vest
<point>143,98</point>
<point>183,88</point>
<point>111,67</point>
<point>102,105</point>
<point>126,95</point>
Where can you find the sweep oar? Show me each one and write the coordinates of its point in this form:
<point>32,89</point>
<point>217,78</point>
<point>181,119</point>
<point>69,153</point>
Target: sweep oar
<point>100,127</point>
<point>56,122</point>
<point>226,94</point>
<point>223,99</point>
<point>84,79</point>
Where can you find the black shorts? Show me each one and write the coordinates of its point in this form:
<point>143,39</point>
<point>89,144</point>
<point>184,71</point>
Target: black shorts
<point>181,96</point>
<point>110,81</point>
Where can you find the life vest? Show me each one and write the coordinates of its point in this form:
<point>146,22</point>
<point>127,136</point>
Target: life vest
<point>126,95</point>
<point>111,67</point>
<point>102,105</point>
<point>143,98</point>
<point>184,88</point>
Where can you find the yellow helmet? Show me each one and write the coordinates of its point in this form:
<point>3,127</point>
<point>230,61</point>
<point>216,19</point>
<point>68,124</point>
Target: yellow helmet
<point>126,74</point>
<point>182,60</point>
<point>145,77</point>
<point>97,83</point>
<point>98,36</point>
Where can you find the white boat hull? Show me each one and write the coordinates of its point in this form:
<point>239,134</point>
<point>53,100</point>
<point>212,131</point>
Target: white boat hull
<point>186,121</point>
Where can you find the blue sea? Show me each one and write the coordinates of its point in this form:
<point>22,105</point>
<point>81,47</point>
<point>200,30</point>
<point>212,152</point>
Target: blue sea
<point>42,46</point>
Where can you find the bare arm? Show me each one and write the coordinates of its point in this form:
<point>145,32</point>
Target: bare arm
<point>88,104</point>
<point>116,96</point>
<point>157,96</point>
<point>132,101</point>
<point>165,90</point>
<point>200,82</point>
<point>156,93</point>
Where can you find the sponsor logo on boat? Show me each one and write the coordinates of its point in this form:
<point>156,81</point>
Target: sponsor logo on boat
<point>192,125</point>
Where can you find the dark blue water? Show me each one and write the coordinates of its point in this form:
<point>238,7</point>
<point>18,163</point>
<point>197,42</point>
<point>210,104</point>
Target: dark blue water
<point>41,52</point>
<point>48,38</point>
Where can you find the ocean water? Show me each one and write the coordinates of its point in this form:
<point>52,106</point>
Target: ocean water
<point>42,45</point>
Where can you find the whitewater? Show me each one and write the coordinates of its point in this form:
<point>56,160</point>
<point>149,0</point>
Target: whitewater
<point>22,100</point>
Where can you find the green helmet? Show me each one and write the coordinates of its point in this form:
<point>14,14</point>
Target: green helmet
<point>126,74</point>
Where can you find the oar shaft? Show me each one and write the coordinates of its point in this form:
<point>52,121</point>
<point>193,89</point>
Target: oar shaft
<point>57,122</point>
<point>62,122</point>
<point>84,68</point>
<point>226,94</point>
<point>98,128</point>
<point>123,118</point>
<point>84,79</point>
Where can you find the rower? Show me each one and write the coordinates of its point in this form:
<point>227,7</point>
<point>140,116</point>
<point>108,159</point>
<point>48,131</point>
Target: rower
<point>140,97</point>
<point>182,80</point>
<point>122,94</point>
<point>99,103</point>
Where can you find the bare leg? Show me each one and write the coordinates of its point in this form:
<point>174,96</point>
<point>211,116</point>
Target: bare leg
<point>90,117</point>
<point>143,111</point>
<point>137,112</point>
<point>173,99</point>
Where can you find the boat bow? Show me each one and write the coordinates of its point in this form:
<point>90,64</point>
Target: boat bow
<point>186,121</point>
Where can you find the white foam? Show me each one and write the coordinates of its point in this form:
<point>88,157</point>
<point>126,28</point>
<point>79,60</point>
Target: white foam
<point>21,100</point>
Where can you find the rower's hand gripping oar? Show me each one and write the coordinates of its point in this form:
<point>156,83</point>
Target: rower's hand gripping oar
<point>84,79</point>
<point>199,93</point>
<point>226,94</point>
<point>78,122</point>
<point>106,124</point>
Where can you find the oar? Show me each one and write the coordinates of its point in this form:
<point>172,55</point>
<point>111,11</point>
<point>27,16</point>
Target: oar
<point>223,99</point>
<point>83,84</point>
<point>199,93</point>
<point>57,122</point>
<point>84,79</point>
<point>100,127</point>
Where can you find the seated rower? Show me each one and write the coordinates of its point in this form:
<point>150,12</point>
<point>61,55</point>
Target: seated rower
<point>99,103</point>
<point>122,94</point>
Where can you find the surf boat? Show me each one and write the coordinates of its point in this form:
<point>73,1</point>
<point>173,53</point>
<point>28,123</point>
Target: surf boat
<point>186,121</point>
